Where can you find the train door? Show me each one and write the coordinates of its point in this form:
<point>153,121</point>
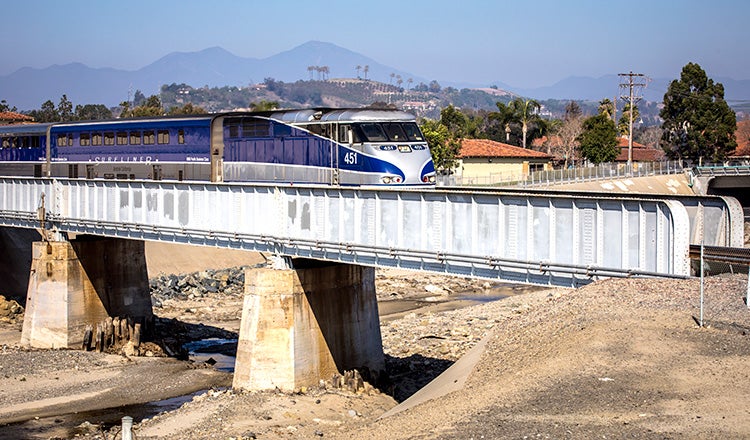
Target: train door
<point>157,172</point>
<point>90,172</point>
<point>332,134</point>
<point>72,171</point>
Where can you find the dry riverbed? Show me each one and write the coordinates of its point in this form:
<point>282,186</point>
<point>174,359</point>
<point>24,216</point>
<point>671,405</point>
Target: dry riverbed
<point>618,358</point>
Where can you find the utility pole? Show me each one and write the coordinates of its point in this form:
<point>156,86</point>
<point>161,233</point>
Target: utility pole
<point>632,97</point>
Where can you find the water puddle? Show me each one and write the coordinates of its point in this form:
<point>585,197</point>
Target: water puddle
<point>217,352</point>
<point>72,425</point>
<point>392,309</point>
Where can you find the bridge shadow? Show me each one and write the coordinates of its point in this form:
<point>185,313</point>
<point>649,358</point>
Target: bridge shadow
<point>407,375</point>
<point>403,376</point>
<point>171,335</point>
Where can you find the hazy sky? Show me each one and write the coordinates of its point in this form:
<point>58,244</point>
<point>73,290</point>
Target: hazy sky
<point>520,43</point>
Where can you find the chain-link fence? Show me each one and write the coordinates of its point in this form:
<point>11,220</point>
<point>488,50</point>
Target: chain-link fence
<point>566,175</point>
<point>713,260</point>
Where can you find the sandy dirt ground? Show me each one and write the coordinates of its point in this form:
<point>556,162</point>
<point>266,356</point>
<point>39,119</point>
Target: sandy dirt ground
<point>615,359</point>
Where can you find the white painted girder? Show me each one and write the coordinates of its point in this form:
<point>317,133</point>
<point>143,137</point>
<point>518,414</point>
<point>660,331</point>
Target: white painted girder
<point>555,240</point>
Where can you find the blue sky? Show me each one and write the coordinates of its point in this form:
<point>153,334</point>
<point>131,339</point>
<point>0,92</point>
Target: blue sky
<point>523,44</point>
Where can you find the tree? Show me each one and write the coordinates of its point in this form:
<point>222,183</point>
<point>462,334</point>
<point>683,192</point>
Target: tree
<point>5,108</point>
<point>91,112</point>
<point>139,98</point>
<point>623,125</point>
<point>264,105</point>
<point>504,117</point>
<point>599,139</point>
<point>607,108</point>
<point>525,111</point>
<point>150,107</point>
<point>569,131</point>
<point>455,121</point>
<point>187,109</point>
<point>698,123</point>
<point>47,113</point>
<point>443,145</point>
<point>65,109</point>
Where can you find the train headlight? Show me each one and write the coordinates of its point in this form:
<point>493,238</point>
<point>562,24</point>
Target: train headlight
<point>428,178</point>
<point>391,179</point>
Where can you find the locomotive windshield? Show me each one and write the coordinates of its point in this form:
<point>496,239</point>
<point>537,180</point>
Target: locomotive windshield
<point>388,132</point>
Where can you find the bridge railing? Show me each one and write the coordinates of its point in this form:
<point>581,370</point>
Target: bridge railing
<point>567,175</point>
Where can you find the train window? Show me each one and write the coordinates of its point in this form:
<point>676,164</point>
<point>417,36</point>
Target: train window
<point>280,130</point>
<point>373,132</point>
<point>162,137</point>
<point>315,128</point>
<point>395,132</point>
<point>23,142</point>
<point>412,131</point>
<point>180,136</point>
<point>148,137</point>
<point>85,139</point>
<point>96,139</point>
<point>135,138</point>
<point>122,138</point>
<point>234,130</point>
<point>255,128</point>
<point>109,138</point>
<point>6,142</point>
<point>62,140</point>
<point>36,142</point>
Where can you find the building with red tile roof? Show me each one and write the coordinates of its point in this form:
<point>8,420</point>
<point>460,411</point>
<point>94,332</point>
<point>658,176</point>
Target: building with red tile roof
<point>484,157</point>
<point>7,118</point>
<point>641,153</point>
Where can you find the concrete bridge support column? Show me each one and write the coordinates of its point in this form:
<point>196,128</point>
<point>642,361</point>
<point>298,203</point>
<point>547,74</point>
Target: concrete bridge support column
<point>79,283</point>
<point>306,324</point>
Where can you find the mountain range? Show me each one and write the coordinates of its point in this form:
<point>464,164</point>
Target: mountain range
<point>27,88</point>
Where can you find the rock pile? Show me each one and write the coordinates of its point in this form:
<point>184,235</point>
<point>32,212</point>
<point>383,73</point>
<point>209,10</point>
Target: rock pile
<point>229,281</point>
<point>10,310</point>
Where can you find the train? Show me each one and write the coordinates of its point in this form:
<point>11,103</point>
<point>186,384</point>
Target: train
<point>345,147</point>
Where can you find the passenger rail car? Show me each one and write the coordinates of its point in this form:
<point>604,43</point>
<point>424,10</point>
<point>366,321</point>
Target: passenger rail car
<point>23,149</point>
<point>329,146</point>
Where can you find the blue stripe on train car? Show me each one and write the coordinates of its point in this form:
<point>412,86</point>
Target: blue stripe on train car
<point>353,160</point>
<point>22,154</point>
<point>428,168</point>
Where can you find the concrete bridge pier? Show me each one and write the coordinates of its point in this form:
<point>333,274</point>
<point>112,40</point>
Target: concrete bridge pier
<point>77,283</point>
<point>305,324</point>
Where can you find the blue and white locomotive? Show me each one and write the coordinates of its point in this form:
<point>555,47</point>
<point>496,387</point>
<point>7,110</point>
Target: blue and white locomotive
<point>322,146</point>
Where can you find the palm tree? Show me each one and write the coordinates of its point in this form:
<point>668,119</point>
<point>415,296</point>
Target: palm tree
<point>310,70</point>
<point>525,111</point>
<point>366,69</point>
<point>408,83</point>
<point>358,69</point>
<point>504,117</point>
<point>607,107</point>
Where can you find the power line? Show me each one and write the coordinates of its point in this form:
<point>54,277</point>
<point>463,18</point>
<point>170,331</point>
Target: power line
<point>632,97</point>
